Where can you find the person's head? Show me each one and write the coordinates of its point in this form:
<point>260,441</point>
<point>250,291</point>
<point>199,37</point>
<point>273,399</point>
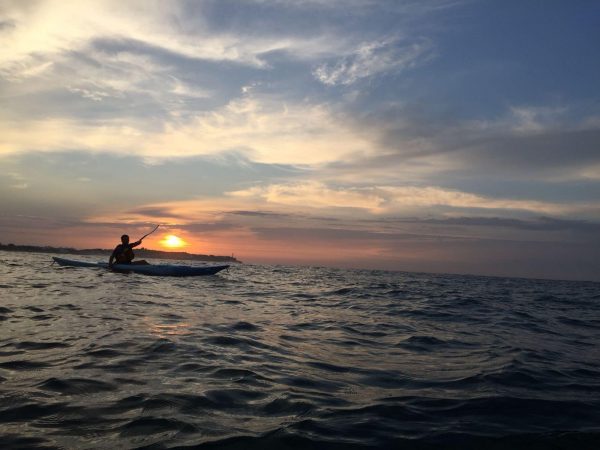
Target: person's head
<point>125,239</point>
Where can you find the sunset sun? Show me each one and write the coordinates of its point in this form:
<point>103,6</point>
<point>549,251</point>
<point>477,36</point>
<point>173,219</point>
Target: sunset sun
<point>172,241</point>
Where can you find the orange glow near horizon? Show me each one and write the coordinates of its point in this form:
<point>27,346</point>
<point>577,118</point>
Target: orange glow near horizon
<point>172,241</point>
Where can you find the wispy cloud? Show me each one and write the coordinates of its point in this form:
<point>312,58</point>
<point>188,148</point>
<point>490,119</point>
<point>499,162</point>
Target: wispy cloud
<point>526,142</point>
<point>16,180</point>
<point>537,224</point>
<point>39,28</point>
<point>312,195</point>
<point>392,199</point>
<point>390,55</point>
<point>155,211</point>
<point>266,130</point>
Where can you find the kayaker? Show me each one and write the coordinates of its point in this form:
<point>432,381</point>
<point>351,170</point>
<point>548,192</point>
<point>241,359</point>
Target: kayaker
<point>123,253</point>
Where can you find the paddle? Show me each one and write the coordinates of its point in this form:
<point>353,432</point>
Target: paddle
<point>146,235</point>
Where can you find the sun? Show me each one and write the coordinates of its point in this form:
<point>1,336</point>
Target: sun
<point>172,241</point>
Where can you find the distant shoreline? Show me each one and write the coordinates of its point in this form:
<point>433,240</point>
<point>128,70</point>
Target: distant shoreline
<point>140,253</point>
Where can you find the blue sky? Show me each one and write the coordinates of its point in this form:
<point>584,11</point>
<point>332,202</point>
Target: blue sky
<point>452,136</point>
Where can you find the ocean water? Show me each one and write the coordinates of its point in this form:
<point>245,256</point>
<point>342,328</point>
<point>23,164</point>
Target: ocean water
<point>271,357</point>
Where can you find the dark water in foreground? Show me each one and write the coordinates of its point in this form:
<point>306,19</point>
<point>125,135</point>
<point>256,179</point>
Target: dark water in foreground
<point>275,357</point>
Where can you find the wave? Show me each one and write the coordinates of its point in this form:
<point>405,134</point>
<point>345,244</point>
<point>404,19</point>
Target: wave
<point>296,358</point>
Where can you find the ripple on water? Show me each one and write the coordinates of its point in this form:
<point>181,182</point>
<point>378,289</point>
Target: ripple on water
<point>239,342</point>
<point>76,386</point>
<point>233,374</point>
<point>23,365</point>
<point>31,411</point>
<point>104,353</point>
<point>155,425</point>
<point>329,367</point>
<point>244,326</point>
<point>422,343</point>
<point>43,317</point>
<point>29,345</point>
<point>233,398</point>
<point>283,406</point>
<point>160,346</point>
<point>15,441</point>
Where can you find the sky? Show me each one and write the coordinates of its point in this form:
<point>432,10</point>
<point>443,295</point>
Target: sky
<point>454,136</point>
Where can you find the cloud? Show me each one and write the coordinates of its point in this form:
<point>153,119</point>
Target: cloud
<point>15,180</point>
<point>266,130</point>
<point>385,56</point>
<point>38,28</point>
<point>78,184</point>
<point>557,153</point>
<point>104,79</point>
<point>267,214</point>
<point>538,224</point>
<point>155,211</point>
<point>413,144</point>
<point>533,119</point>
<point>391,199</point>
<point>311,194</point>
<point>433,196</point>
<point>132,78</point>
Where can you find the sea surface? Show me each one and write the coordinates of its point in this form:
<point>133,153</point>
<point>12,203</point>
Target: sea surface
<point>273,357</point>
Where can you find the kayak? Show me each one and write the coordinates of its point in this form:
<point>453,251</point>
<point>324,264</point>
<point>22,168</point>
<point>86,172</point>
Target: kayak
<point>169,270</point>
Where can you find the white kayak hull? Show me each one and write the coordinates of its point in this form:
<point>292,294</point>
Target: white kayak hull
<point>168,270</point>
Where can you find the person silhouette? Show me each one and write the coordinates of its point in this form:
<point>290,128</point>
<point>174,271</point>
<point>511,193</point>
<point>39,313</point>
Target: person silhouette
<point>123,253</point>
